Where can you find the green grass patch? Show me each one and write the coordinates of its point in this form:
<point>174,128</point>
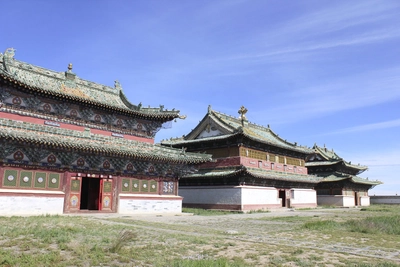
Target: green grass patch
<point>321,225</point>
<point>389,225</point>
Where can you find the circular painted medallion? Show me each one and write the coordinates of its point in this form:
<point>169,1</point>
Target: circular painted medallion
<point>126,184</point>
<point>54,180</point>
<point>25,179</point>
<point>40,180</point>
<point>144,185</point>
<point>10,178</point>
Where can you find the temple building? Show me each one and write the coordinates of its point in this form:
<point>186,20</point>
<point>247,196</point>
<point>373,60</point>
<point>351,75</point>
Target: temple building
<point>72,145</point>
<point>340,184</point>
<point>253,168</point>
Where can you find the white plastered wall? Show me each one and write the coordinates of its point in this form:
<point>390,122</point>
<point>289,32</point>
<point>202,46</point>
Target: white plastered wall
<point>252,195</point>
<point>211,195</point>
<point>364,201</point>
<point>147,204</point>
<point>33,203</point>
<point>336,200</point>
<point>304,197</point>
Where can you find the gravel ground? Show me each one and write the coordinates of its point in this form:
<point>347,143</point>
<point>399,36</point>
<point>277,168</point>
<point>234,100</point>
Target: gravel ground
<point>255,228</point>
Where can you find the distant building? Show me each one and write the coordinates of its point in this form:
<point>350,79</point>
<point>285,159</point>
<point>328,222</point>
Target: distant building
<point>253,167</point>
<point>72,145</point>
<point>340,184</point>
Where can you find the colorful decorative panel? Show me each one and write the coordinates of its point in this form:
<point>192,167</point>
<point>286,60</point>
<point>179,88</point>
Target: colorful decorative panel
<point>54,180</point>
<point>10,178</point>
<point>169,188</point>
<point>135,185</point>
<point>76,185</point>
<point>107,187</point>
<point>74,202</point>
<point>40,180</point>
<point>106,202</point>
<point>153,186</point>
<point>25,179</point>
<point>144,186</point>
<point>125,185</point>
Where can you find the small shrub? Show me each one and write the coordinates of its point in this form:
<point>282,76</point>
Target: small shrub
<point>125,236</point>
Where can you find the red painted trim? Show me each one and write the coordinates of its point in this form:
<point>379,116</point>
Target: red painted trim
<point>261,206</point>
<point>212,206</point>
<point>126,136</point>
<point>17,117</point>
<point>30,194</point>
<point>151,198</point>
<point>304,205</point>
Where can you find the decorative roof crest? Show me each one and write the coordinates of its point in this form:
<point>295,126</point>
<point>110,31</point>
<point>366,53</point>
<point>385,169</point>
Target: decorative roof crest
<point>242,111</point>
<point>117,85</point>
<point>9,54</point>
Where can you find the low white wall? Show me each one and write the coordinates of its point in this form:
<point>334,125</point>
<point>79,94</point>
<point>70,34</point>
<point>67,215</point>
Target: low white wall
<point>364,201</point>
<point>336,200</point>
<point>135,204</point>
<point>304,197</point>
<point>211,195</point>
<point>348,201</point>
<point>385,199</point>
<point>260,196</point>
<point>31,203</point>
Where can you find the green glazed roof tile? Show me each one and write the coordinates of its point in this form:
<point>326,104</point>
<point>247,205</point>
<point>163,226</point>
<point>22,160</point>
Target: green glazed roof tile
<point>68,85</point>
<point>14,131</point>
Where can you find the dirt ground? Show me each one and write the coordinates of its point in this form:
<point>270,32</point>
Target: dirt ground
<point>255,236</point>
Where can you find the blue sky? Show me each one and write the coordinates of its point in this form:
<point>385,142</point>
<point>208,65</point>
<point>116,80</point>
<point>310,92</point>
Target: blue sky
<point>325,72</point>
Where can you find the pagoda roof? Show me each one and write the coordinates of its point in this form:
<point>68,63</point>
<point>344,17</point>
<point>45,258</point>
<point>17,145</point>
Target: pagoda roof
<point>329,157</point>
<point>337,176</point>
<point>84,141</point>
<point>68,86</point>
<point>227,126</point>
<point>256,173</point>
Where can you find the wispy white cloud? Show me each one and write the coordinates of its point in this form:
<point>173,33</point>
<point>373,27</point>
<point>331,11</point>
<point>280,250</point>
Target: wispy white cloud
<point>344,93</point>
<point>369,127</point>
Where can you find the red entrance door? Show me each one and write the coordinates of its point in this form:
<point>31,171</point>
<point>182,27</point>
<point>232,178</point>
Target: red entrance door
<point>87,193</point>
<point>105,199</point>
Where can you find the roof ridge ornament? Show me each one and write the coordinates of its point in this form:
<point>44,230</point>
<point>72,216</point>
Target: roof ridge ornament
<point>117,85</point>
<point>70,77</point>
<point>242,111</point>
<point>9,54</point>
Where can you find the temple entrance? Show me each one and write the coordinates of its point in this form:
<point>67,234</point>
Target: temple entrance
<point>282,196</point>
<point>90,194</point>
<point>356,202</point>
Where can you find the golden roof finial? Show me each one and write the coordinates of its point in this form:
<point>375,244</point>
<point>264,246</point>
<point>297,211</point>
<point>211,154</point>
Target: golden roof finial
<point>242,111</point>
<point>70,67</point>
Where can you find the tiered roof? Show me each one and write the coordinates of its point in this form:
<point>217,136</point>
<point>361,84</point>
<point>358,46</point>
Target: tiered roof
<point>84,141</point>
<point>67,86</point>
<point>337,176</point>
<point>228,126</point>
<point>329,157</point>
<point>255,173</point>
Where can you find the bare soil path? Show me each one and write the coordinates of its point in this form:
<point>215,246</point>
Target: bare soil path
<point>247,230</point>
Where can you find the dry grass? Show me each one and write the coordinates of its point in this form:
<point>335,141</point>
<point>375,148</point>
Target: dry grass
<point>302,238</point>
